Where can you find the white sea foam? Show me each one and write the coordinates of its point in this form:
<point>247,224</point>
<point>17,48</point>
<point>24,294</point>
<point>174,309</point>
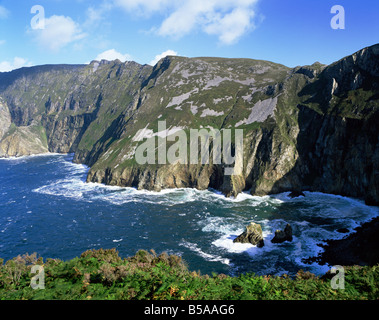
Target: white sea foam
<point>69,188</point>
<point>207,256</point>
<point>338,210</point>
<point>47,154</point>
<point>74,186</point>
<point>226,242</point>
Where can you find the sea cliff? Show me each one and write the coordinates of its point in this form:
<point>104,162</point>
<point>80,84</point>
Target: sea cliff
<point>305,128</point>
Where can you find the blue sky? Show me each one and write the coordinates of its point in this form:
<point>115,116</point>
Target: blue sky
<point>291,32</point>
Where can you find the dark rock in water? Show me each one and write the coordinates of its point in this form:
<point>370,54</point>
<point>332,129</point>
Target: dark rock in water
<point>359,248</point>
<point>281,236</point>
<point>370,200</point>
<point>295,194</point>
<point>343,230</point>
<point>252,234</point>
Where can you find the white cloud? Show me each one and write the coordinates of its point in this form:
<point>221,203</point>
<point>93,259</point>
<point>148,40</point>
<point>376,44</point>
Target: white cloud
<point>17,63</point>
<point>59,31</point>
<point>4,12</point>
<point>94,15</point>
<point>143,7</point>
<point>162,55</point>
<point>112,54</point>
<point>226,19</point>
<point>231,26</point>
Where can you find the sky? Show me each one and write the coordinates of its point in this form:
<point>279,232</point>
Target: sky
<point>291,32</point>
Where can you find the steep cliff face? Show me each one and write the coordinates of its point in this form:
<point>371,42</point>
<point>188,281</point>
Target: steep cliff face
<point>75,105</point>
<point>307,128</point>
<point>338,143</point>
<point>193,94</point>
<point>310,128</point>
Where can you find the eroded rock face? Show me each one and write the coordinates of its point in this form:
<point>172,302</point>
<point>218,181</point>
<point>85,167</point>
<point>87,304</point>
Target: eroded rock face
<point>252,234</point>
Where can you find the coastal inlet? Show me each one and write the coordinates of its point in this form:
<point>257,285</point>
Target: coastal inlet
<point>48,208</point>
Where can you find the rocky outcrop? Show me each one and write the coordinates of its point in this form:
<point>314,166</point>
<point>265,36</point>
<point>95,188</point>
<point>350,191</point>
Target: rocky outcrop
<point>358,248</point>
<point>252,234</point>
<point>64,133</point>
<point>281,236</point>
<point>296,194</point>
<point>337,143</point>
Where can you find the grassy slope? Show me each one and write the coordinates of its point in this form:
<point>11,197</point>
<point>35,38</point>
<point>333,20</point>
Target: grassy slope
<point>102,274</point>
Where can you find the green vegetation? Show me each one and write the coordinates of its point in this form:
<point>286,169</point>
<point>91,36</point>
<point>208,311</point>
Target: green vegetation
<point>355,104</point>
<point>102,274</point>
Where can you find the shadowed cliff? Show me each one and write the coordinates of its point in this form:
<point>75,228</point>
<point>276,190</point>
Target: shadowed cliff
<point>338,140</point>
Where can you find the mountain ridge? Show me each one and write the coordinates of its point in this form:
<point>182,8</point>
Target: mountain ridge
<point>305,128</point>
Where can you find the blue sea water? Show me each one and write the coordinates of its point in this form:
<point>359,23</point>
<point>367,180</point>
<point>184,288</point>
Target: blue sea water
<point>47,207</point>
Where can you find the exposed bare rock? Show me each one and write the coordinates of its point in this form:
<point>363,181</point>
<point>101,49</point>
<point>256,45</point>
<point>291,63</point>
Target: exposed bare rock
<point>5,118</point>
<point>252,234</point>
<point>23,141</point>
<point>281,236</point>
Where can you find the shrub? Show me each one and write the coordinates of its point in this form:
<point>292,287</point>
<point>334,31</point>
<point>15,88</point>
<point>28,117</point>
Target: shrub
<point>107,272</point>
<point>107,255</point>
<point>102,274</point>
<point>16,268</point>
<point>305,275</point>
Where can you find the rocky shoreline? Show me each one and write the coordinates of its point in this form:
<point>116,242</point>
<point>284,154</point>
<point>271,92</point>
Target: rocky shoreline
<point>359,248</point>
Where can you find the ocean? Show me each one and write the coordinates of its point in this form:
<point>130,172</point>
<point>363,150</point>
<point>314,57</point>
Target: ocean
<point>47,207</point>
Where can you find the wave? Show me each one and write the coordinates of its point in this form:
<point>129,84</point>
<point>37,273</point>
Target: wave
<point>308,235</point>
<point>207,256</point>
<point>75,182</point>
<point>342,211</point>
<point>24,159</point>
<point>47,154</point>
